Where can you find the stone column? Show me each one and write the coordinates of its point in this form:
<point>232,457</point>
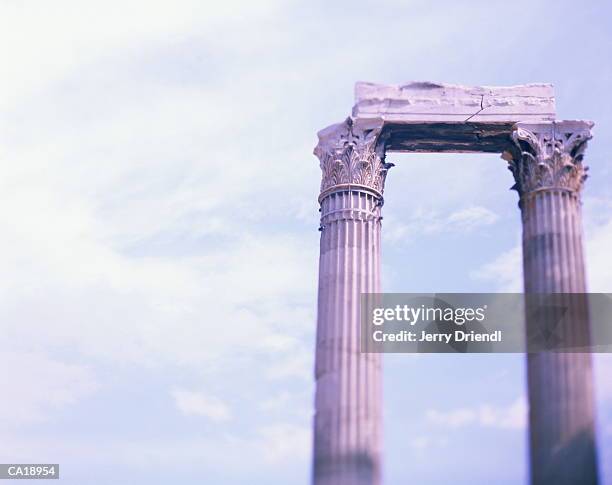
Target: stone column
<point>546,162</point>
<point>348,421</point>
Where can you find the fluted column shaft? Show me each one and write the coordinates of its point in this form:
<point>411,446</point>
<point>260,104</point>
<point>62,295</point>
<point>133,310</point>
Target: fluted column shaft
<point>549,173</point>
<point>348,383</point>
<point>560,384</point>
<point>348,399</point>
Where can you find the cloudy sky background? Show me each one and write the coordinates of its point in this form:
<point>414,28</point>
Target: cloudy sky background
<point>159,229</point>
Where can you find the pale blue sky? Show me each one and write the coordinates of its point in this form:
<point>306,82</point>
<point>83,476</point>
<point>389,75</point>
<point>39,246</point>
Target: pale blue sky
<point>159,220</point>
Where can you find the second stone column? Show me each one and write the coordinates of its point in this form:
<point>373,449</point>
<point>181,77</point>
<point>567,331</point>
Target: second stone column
<point>547,166</point>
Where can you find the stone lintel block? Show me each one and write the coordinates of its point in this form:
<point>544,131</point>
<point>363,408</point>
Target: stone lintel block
<point>438,102</point>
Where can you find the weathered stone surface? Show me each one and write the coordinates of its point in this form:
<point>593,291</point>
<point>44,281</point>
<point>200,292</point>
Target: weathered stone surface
<point>437,102</point>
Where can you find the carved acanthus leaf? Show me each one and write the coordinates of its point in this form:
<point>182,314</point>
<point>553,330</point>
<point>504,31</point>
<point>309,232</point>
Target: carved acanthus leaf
<point>548,155</point>
<point>349,156</point>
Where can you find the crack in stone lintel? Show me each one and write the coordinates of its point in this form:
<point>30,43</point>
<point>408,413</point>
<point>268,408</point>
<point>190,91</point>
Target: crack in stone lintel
<point>482,108</point>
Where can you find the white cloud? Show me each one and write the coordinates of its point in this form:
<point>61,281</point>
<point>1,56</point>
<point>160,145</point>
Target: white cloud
<point>277,444</point>
<point>454,419</point>
<point>602,372</point>
<point>277,402</point>
<point>193,403</point>
<point>265,451</point>
<point>422,443</point>
<point>510,417</point>
<point>513,416</point>
<point>280,442</point>
<point>505,271</point>
<point>55,40</point>
<point>420,223</point>
<point>295,364</point>
<point>37,386</point>
<point>471,218</point>
<point>598,244</point>
<point>154,311</point>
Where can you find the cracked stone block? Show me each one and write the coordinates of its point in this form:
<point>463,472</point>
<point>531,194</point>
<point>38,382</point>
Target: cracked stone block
<point>438,102</point>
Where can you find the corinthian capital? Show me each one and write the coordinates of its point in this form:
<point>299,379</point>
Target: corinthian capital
<point>352,156</point>
<point>548,155</point>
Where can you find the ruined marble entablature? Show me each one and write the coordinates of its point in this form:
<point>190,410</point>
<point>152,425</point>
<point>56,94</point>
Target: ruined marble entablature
<point>546,158</point>
<point>435,117</point>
